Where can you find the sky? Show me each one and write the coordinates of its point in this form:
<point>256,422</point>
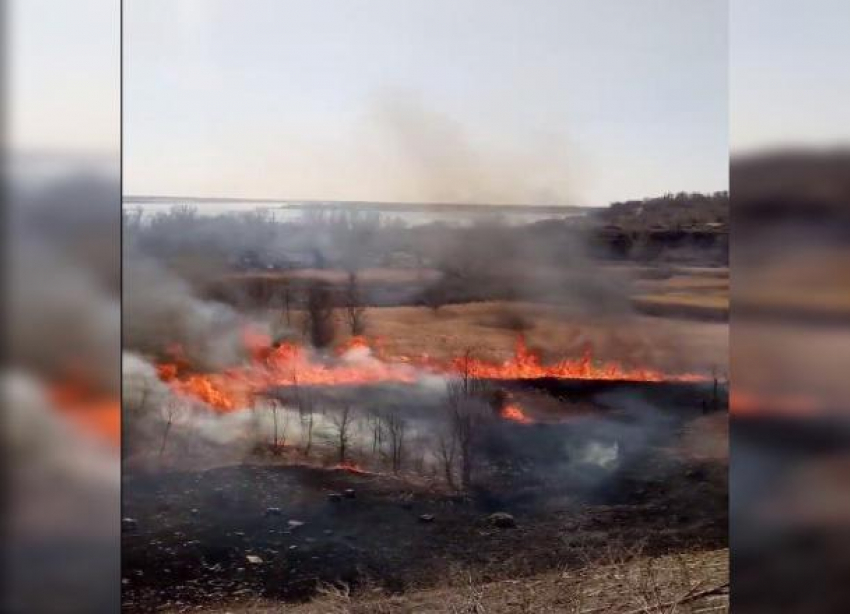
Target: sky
<point>571,102</point>
<point>788,74</point>
<point>574,100</point>
<point>64,73</point>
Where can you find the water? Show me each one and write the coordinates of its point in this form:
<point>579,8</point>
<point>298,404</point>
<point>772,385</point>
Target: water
<point>410,215</point>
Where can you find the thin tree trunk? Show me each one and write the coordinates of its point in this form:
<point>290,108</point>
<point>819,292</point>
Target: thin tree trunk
<point>165,437</point>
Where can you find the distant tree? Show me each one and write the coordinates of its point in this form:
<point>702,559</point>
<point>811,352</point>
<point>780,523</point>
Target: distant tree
<point>172,408</point>
<point>435,295</point>
<point>447,453</point>
<point>355,311</point>
<point>342,422</point>
<point>320,315</point>
<point>280,423</point>
<point>305,402</point>
<point>396,429</point>
<point>286,302</point>
<point>376,423</point>
<point>468,412</point>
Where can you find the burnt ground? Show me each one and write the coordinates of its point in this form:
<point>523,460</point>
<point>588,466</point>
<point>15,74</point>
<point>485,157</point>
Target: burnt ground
<point>194,530</point>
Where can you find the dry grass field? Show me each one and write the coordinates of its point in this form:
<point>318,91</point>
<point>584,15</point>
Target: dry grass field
<point>610,583</point>
<point>698,293</point>
<point>490,330</point>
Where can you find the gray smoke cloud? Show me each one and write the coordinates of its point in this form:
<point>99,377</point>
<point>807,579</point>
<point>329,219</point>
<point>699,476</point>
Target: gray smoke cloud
<point>161,309</point>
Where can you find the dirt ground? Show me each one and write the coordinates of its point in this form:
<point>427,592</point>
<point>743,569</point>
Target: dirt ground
<point>271,531</point>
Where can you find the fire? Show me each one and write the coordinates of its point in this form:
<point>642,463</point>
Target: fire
<point>96,412</point>
<point>350,468</point>
<point>748,404</point>
<point>514,413</point>
<point>527,364</point>
<point>290,364</point>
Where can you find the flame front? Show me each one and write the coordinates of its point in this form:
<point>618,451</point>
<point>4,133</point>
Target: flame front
<point>351,468</point>
<point>355,363</point>
<point>514,413</point>
<point>94,410</point>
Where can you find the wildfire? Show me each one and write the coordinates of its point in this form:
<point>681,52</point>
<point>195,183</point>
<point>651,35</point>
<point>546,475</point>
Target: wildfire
<point>95,411</point>
<point>514,413</point>
<point>350,468</point>
<point>743,404</point>
<point>527,364</point>
<point>289,364</point>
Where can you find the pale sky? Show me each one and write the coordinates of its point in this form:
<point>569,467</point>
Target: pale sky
<point>587,100</point>
<point>788,75</point>
<point>64,73</point>
<point>576,101</point>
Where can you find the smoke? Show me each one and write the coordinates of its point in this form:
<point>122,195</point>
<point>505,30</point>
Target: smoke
<point>63,505</point>
<point>64,310</point>
<point>161,309</point>
<point>38,439</point>
<point>167,431</point>
<point>431,157</point>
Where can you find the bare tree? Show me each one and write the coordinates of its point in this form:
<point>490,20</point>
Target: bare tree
<point>355,311</point>
<point>342,422</point>
<point>376,423</point>
<point>280,422</point>
<point>135,413</point>
<point>286,302</point>
<point>396,428</point>
<point>447,453</point>
<point>171,410</point>
<point>272,405</point>
<point>467,413</point>
<point>435,295</point>
<point>320,312</point>
<point>306,403</point>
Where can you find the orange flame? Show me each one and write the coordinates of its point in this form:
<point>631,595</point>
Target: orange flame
<point>350,468</point>
<point>748,404</point>
<point>514,413</point>
<point>96,412</point>
<point>289,364</point>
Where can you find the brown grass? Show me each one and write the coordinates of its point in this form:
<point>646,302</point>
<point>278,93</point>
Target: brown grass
<point>613,579</point>
<point>643,341</point>
<point>687,293</point>
<point>697,306</point>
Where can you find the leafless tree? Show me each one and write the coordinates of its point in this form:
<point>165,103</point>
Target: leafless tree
<point>135,407</point>
<point>469,384</point>
<point>435,295</point>
<point>172,408</point>
<point>280,421</point>
<point>306,405</point>
<point>355,311</point>
<point>342,422</point>
<point>376,424</point>
<point>286,302</point>
<point>396,428</point>
<point>467,413</point>
<point>320,312</point>
<point>447,454</point>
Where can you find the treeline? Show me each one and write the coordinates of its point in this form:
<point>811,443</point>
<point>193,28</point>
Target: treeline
<point>670,211</point>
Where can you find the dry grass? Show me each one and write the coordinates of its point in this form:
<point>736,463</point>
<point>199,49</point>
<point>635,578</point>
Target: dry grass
<point>640,340</point>
<point>700,306</point>
<point>694,293</point>
<point>613,579</point>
